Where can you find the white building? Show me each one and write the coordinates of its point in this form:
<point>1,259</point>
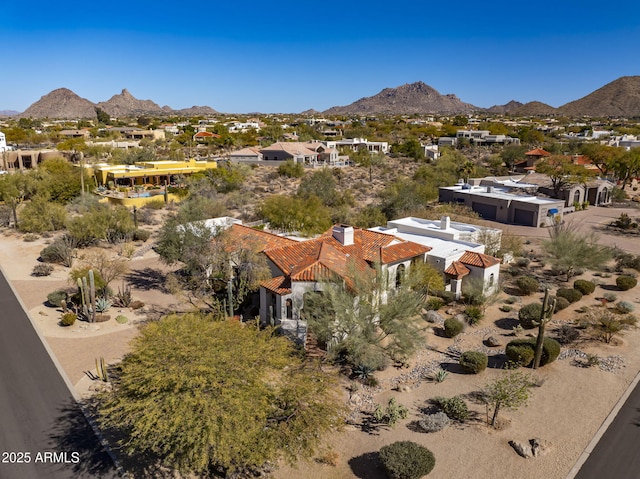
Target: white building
<point>3,143</point>
<point>356,144</point>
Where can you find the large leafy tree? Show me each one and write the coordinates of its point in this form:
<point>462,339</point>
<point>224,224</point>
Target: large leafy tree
<point>569,249</point>
<point>307,215</point>
<point>562,172</point>
<point>15,188</point>
<point>208,397</point>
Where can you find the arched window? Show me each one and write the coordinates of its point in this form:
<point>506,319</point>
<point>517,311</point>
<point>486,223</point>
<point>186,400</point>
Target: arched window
<point>491,279</point>
<point>576,196</point>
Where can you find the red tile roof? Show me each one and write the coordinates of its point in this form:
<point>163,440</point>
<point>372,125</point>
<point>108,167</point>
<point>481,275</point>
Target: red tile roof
<point>480,260</point>
<point>279,285</point>
<point>255,240</point>
<point>457,269</point>
<point>538,152</point>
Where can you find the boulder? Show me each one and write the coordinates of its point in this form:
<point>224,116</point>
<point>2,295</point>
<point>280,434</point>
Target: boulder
<point>539,447</point>
<point>522,449</point>
<point>492,341</point>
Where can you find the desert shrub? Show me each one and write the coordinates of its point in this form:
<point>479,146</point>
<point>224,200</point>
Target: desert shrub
<point>42,269</point>
<point>570,294</point>
<point>511,300</point>
<point>30,237</point>
<point>122,319</point>
<point>434,303</point>
<point>60,251</point>
<point>102,318</point>
<point>291,169</point>
<point>566,334</point>
<point>611,297</point>
<point>141,235</point>
<point>505,308</point>
<point>473,314</point>
<point>330,458</point>
<point>625,307</point>
<point>454,407</point>
<point>561,303</point>
<point>625,282</point>
<point>447,296</point>
<point>550,349</point>
<point>136,305</point>
<point>519,354</point>
<point>55,299</point>
<point>154,204</point>
<point>68,319</point>
<point>474,361</point>
<point>406,460</point>
<point>391,414</point>
<point>527,285</point>
<point>434,422</point>
<point>529,314</point>
<point>522,262</point>
<point>584,286</point>
<point>452,327</point>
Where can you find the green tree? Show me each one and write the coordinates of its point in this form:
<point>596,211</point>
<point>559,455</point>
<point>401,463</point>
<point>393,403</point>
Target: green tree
<point>369,160</point>
<point>60,180</point>
<point>425,279</point>
<point>562,172</point>
<point>512,154</point>
<point>40,215</point>
<point>355,323</point>
<point>322,184</point>
<point>507,392</point>
<point>15,188</point>
<point>103,116</point>
<point>605,157</point>
<point>208,397</point>
<point>291,213</point>
<point>569,249</point>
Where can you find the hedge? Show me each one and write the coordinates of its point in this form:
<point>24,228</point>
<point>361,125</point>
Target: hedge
<point>528,314</point>
<point>570,294</point>
<point>527,285</point>
<point>584,286</point>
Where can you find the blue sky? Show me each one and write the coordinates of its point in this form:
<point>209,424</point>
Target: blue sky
<point>285,56</point>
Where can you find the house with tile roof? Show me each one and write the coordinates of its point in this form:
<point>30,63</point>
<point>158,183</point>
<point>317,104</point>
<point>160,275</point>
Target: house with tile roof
<point>302,267</point>
<point>312,153</point>
<point>456,250</point>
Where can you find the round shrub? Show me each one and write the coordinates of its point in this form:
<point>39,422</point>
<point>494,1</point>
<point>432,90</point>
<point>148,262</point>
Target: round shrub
<point>550,350</point>
<point>561,303</point>
<point>434,422</point>
<point>68,319</point>
<point>625,282</point>
<point>528,285</point>
<point>570,294</point>
<point>474,361</point>
<point>434,303</point>
<point>584,286</point>
<point>473,314</point>
<point>406,460</point>
<point>122,319</point>
<point>452,327</point>
<point>42,269</point>
<point>520,354</point>
<point>625,307</point>
<point>454,407</point>
<point>528,314</point>
<point>141,235</point>
<point>55,298</point>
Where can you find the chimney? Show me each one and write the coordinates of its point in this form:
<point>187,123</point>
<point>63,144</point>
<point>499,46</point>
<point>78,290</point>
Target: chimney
<point>445,223</point>
<point>343,234</point>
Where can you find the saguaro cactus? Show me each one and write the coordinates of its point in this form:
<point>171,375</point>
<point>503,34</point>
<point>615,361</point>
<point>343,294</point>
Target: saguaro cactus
<point>92,285</point>
<point>101,370</point>
<point>548,307</point>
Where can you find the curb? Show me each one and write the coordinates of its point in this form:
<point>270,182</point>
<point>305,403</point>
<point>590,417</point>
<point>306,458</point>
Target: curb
<point>603,428</point>
<point>74,394</point>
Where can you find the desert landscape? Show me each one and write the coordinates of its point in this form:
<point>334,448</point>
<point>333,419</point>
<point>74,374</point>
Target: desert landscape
<point>567,406</point>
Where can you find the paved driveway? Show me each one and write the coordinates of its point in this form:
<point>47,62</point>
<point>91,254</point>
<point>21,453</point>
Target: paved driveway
<point>43,433</point>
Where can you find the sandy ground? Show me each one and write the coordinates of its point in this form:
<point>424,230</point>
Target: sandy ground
<point>566,409</point>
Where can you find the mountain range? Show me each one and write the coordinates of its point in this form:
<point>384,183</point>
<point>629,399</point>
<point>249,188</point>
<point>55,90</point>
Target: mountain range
<point>620,98</point>
<point>65,104</point>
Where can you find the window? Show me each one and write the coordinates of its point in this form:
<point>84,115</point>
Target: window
<point>399,275</point>
<point>289,307</point>
<point>491,279</point>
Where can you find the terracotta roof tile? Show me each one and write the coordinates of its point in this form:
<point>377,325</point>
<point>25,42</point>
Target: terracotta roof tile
<point>256,240</point>
<point>480,260</point>
<point>279,285</point>
<point>538,152</point>
<point>457,269</point>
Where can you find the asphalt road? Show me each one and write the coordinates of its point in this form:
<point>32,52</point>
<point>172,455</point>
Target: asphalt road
<point>616,454</point>
<point>43,433</point>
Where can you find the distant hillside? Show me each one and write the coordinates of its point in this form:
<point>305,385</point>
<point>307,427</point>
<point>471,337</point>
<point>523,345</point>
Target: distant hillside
<point>8,112</point>
<point>534,108</point>
<point>125,104</point>
<point>60,103</point>
<point>414,98</point>
<point>621,97</point>
<point>506,109</point>
<point>65,104</point>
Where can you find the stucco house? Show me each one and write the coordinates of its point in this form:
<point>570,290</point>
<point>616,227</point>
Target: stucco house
<point>301,267</point>
<point>313,153</point>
